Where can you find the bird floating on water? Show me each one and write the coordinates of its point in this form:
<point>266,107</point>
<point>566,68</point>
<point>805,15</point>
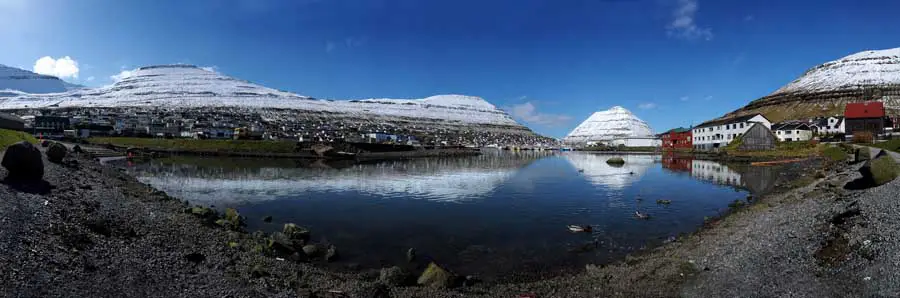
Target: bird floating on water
<point>580,229</point>
<point>664,202</point>
<point>639,215</point>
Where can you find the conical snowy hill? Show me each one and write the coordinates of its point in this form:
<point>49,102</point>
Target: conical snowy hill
<point>614,123</point>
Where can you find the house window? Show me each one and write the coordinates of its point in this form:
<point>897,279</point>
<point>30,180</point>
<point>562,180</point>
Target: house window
<point>742,124</point>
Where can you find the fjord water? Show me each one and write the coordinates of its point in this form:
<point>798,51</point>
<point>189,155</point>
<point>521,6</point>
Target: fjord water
<point>501,215</point>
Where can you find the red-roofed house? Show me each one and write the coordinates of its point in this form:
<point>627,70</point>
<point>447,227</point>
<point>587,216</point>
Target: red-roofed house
<point>865,116</point>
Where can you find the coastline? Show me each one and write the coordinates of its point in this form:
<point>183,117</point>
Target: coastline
<point>148,230</point>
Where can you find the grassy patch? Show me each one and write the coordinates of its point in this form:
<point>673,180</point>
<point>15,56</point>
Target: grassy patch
<point>834,154</point>
<point>782,150</point>
<point>202,145</point>
<point>9,137</point>
<point>892,145</point>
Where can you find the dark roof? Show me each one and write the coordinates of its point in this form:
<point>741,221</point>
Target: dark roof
<point>728,120</point>
<point>790,126</point>
<point>869,109</point>
<point>8,117</point>
<point>677,130</point>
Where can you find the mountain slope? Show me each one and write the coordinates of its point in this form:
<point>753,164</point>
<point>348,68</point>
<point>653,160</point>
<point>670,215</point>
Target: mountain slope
<point>605,125</point>
<point>825,89</point>
<point>13,79</point>
<point>188,86</point>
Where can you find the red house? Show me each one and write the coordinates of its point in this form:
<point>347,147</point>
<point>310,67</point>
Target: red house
<point>678,138</point>
<point>865,116</point>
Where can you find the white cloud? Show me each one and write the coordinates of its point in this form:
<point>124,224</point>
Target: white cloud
<point>647,106</point>
<point>124,74</point>
<point>64,67</point>
<point>528,112</point>
<point>749,18</point>
<point>683,24</point>
<point>90,79</point>
<point>329,46</point>
<point>685,98</point>
<point>708,97</point>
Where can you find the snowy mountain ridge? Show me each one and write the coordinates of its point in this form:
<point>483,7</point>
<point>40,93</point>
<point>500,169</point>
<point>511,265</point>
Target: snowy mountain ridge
<point>825,89</point>
<point>867,68</point>
<point>14,81</point>
<point>188,86</point>
<point>607,125</point>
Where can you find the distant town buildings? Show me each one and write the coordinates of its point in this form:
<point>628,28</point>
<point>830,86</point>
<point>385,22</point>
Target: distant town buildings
<point>269,124</point>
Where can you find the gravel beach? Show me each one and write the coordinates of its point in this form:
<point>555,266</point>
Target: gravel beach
<point>93,231</point>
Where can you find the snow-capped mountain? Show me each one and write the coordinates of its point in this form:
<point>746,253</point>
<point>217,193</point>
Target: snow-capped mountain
<point>15,82</point>
<point>825,89</point>
<point>610,124</point>
<point>869,68</point>
<point>188,86</point>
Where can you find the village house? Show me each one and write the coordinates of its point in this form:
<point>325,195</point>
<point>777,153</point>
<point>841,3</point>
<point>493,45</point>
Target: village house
<point>714,134</point>
<point>865,117</point>
<point>757,137</point>
<point>788,132</point>
<point>678,138</point>
<point>822,126</point>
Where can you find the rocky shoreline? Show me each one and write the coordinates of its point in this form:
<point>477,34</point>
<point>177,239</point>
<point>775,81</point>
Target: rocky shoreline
<point>88,230</point>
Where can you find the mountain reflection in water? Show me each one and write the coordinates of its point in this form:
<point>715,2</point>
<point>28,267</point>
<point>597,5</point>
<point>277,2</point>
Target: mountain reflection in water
<point>501,215</point>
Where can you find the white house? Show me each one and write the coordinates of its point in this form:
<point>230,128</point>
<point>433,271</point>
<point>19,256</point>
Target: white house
<point>833,125</point>
<point>787,132</point>
<point>718,133</point>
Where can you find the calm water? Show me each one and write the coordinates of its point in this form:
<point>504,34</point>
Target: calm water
<point>494,215</point>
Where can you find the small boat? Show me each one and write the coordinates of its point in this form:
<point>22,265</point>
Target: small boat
<point>580,229</point>
<point>664,202</point>
<point>639,215</point>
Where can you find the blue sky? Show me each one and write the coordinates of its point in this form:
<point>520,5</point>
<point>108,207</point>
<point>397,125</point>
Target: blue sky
<point>550,63</point>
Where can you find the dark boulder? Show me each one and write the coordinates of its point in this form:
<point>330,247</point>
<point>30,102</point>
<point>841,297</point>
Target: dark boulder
<point>56,152</point>
<point>23,161</point>
<point>295,232</point>
<point>393,276</point>
<point>311,250</point>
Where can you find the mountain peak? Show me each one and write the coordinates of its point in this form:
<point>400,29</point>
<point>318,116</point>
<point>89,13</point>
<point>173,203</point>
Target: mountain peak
<point>609,124</point>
